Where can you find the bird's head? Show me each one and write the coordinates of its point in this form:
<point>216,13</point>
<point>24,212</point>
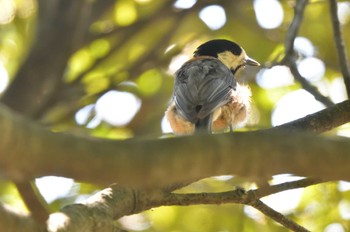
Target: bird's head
<point>229,53</point>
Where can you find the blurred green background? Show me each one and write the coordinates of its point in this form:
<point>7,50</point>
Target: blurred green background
<point>118,81</point>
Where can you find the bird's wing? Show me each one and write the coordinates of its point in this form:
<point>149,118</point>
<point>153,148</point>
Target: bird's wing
<point>202,85</point>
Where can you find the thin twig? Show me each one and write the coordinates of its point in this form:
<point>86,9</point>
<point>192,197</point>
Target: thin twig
<point>276,216</point>
<point>272,189</point>
<point>126,33</point>
<point>340,45</point>
<point>321,121</point>
<point>239,196</point>
<point>235,196</point>
<point>307,85</point>
<point>294,26</point>
<point>289,58</point>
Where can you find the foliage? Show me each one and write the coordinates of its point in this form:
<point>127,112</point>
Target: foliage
<point>134,46</point>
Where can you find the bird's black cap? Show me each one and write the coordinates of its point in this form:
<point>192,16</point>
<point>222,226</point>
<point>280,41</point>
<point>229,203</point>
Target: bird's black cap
<point>216,46</point>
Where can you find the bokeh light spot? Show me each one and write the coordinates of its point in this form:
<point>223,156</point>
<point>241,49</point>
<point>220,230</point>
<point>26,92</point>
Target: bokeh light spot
<point>213,16</point>
<point>125,13</point>
<point>269,13</point>
<point>99,48</point>
<point>149,82</point>
<point>337,91</point>
<point>7,11</point>
<point>277,76</point>
<point>4,78</point>
<point>344,186</point>
<point>334,227</point>
<point>295,105</point>
<point>184,4</point>
<point>117,108</point>
<point>278,201</point>
<point>312,69</point>
<point>165,125</point>
<point>53,187</point>
<point>177,62</point>
<point>84,114</point>
<point>135,222</point>
<point>162,218</point>
<point>304,46</point>
<point>344,209</point>
<point>344,12</point>
<point>79,62</point>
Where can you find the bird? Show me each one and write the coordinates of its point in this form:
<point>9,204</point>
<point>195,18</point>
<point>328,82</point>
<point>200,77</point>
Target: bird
<point>207,97</point>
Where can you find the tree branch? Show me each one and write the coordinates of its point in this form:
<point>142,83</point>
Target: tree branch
<point>272,189</point>
<point>278,217</point>
<point>41,74</point>
<point>11,220</point>
<point>132,165</point>
<point>340,45</point>
<point>289,58</point>
<point>129,163</point>
<point>320,121</point>
<point>33,200</point>
<point>306,84</point>
<point>294,26</point>
<point>117,201</point>
<point>97,213</point>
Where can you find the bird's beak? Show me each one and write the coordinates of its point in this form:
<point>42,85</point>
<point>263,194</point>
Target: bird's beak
<point>250,61</point>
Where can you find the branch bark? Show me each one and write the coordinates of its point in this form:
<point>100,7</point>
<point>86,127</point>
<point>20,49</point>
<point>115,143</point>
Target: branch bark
<point>33,200</point>
<point>42,71</point>
<point>340,45</point>
<point>294,26</point>
<point>278,217</point>
<point>117,201</point>
<point>139,163</point>
<point>12,221</point>
<point>289,58</point>
<point>321,121</point>
<point>290,62</point>
<point>62,26</point>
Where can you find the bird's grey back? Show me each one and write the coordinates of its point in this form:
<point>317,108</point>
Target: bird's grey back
<point>201,86</point>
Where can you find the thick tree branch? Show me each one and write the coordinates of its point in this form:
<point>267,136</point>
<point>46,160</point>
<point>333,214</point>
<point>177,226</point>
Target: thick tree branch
<point>138,162</point>
<point>97,213</point>
<point>109,160</point>
<point>340,45</point>
<point>42,71</point>
<point>62,26</point>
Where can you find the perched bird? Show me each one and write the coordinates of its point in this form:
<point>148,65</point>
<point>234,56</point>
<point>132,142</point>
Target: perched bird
<point>206,95</point>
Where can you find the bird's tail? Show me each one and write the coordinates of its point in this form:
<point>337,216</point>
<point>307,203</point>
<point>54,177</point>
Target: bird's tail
<point>204,125</point>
